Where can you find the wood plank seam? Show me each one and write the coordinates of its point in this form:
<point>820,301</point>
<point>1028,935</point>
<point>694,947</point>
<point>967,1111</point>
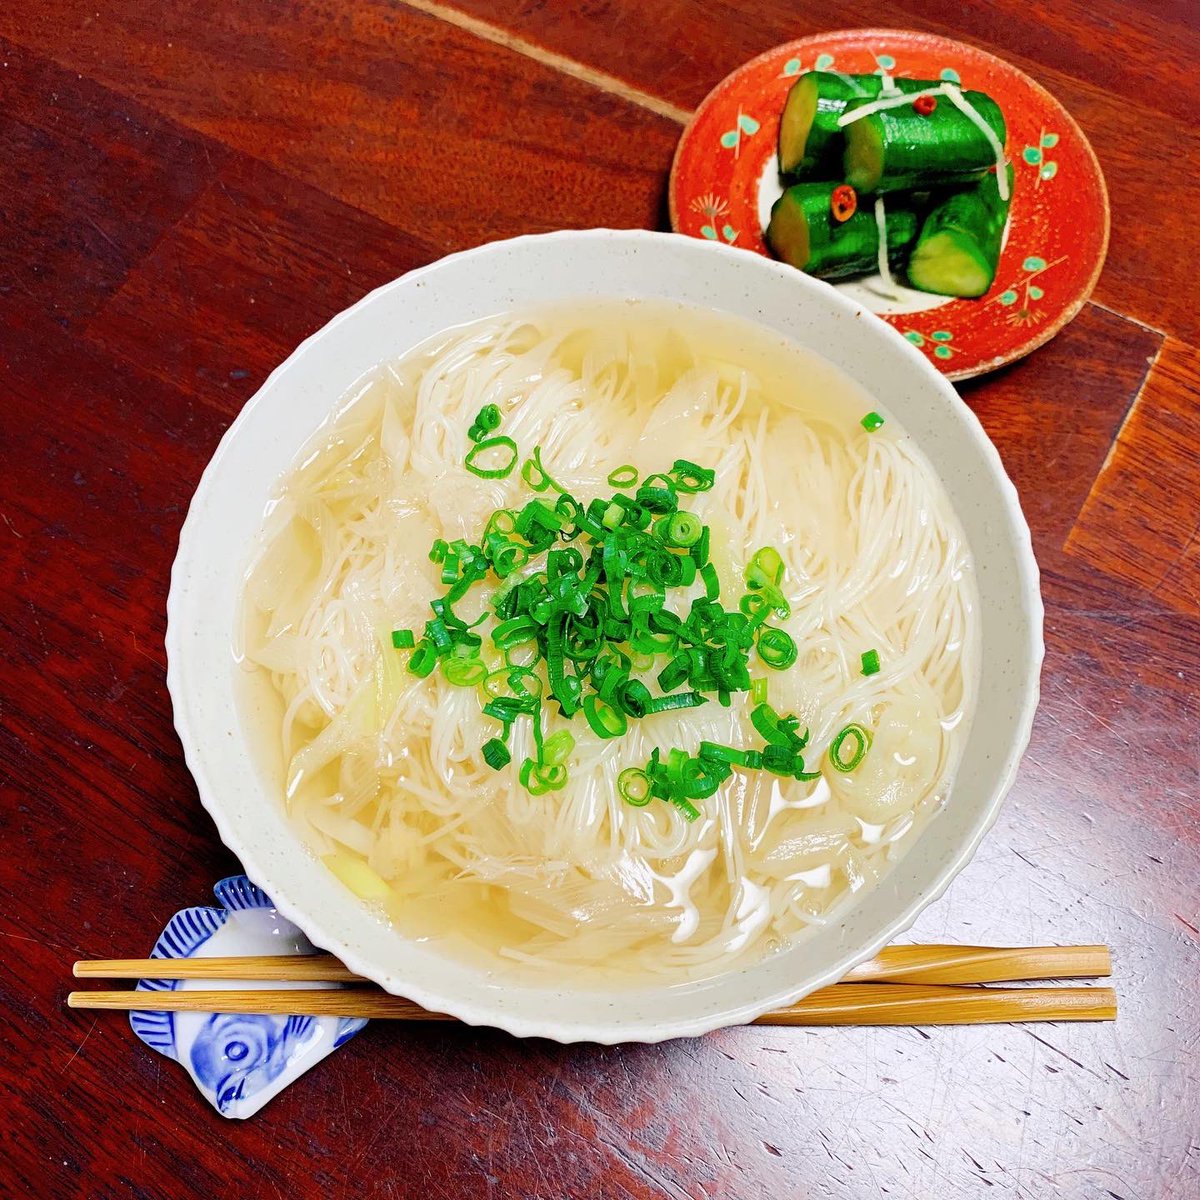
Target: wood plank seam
<point>600,80</point>
<point>1151,363</point>
<point>1117,313</point>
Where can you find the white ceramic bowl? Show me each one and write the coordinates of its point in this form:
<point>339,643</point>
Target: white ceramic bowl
<point>218,535</point>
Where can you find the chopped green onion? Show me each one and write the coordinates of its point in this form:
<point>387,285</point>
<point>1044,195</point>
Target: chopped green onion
<point>871,422</point>
<point>605,720</point>
<point>488,418</point>
<point>464,672</point>
<point>634,698</point>
<point>686,807</point>
<point>726,754</point>
<point>682,529</point>
<point>870,662</point>
<point>496,754</point>
<point>777,648</point>
<point>776,730</point>
<point>487,447</point>
<point>557,748</point>
<point>535,474</point>
<point>862,743</point>
<point>403,639</point>
<point>712,585</point>
<point>423,659</point>
<point>765,568</point>
<point>801,774</point>
<point>623,477</point>
<point>539,778</point>
<point>502,521</point>
<point>677,700</point>
<point>675,672</point>
<point>690,477</point>
<point>633,786</point>
<point>758,690</point>
<point>778,759</point>
<point>657,494</point>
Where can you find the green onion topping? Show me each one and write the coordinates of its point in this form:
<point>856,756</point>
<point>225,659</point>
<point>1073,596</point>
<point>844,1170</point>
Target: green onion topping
<point>633,786</point>
<point>870,662</point>
<point>423,659</point>
<point>862,743</point>
<point>501,464</point>
<point>871,422</point>
<point>594,602</point>
<point>496,754</point>
<point>777,648</point>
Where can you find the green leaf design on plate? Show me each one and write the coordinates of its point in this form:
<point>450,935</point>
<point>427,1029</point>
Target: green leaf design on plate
<point>942,335</point>
<point>729,234</point>
<point>730,139</point>
<point>1035,293</point>
<point>886,61</point>
<point>823,63</point>
<point>749,125</point>
<point>1049,141</point>
<point>792,66</point>
<point>1050,170</point>
<point>943,351</point>
<point>1033,263</point>
<point>709,232</point>
<point>1009,297</point>
<point>915,337</point>
<point>950,75</point>
<point>1032,155</point>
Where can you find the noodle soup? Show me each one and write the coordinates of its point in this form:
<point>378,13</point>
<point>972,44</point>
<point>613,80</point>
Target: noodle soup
<point>385,768</point>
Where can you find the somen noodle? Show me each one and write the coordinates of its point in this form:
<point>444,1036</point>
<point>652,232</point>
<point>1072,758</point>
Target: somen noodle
<point>384,770</point>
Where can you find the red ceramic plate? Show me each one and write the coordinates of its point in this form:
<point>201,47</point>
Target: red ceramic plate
<point>724,181</point>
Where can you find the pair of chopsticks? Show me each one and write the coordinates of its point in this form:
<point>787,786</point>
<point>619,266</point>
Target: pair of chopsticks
<point>902,985</point>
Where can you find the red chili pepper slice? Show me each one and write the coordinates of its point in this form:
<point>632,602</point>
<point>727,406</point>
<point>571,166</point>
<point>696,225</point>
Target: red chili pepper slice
<point>843,202</point>
<point>925,104</point>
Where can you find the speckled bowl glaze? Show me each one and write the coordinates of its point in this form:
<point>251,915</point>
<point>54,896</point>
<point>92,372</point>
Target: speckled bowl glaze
<point>218,537</point>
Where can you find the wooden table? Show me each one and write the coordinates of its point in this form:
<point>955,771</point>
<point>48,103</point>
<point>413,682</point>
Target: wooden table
<point>189,188</point>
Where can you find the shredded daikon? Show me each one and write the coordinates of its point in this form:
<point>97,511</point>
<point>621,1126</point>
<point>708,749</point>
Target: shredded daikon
<point>969,110</point>
<point>885,271</point>
<point>850,81</point>
<point>874,106</point>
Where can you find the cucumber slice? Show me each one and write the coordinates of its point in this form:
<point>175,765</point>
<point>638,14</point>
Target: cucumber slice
<point>796,124</point>
<point>959,247</point>
<point>803,232</point>
<point>898,149</point>
<point>811,143</point>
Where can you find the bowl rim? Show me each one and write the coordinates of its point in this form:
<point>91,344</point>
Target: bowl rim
<point>474,1010</point>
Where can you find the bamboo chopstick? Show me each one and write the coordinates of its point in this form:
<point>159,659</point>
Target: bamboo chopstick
<point>982,964</point>
<point>273,968</point>
<point>842,1004</point>
<point>895,964</point>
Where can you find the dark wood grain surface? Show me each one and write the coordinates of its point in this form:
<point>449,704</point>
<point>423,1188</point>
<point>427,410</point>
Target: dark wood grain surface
<point>187,189</point>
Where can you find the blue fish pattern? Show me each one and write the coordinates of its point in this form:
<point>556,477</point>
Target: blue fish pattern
<point>234,1056</point>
